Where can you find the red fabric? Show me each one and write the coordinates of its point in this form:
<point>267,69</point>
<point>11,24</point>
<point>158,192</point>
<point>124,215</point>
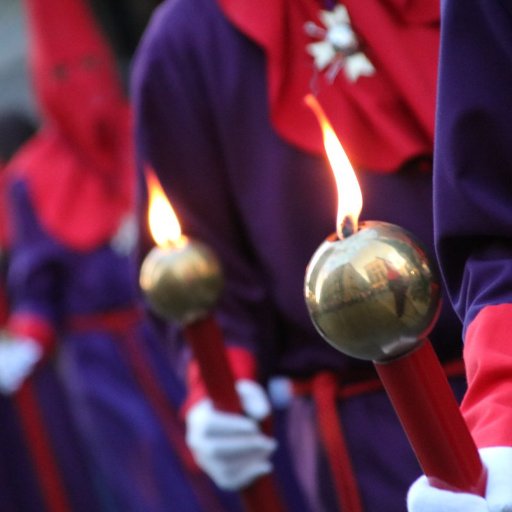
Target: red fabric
<point>39,444</point>
<point>325,388</point>
<point>80,167</point>
<point>242,363</point>
<point>348,390</point>
<point>304,387</point>
<point>111,321</point>
<point>382,120</point>
<point>487,405</point>
<point>34,327</point>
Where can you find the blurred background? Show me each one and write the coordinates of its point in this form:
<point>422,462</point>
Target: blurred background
<point>14,86</point>
<point>123,22</point>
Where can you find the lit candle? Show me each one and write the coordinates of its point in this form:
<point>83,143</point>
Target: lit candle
<point>372,294</point>
<point>182,281</point>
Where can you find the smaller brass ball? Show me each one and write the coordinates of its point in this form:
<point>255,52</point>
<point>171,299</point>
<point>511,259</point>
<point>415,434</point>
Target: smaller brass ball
<point>182,283</point>
<point>374,294</point>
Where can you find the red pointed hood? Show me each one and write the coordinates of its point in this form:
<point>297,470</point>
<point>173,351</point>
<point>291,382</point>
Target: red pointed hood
<point>382,119</point>
<point>74,76</point>
<point>80,167</point>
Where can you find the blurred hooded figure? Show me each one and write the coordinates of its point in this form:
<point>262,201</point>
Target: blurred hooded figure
<point>44,465</point>
<point>72,275</point>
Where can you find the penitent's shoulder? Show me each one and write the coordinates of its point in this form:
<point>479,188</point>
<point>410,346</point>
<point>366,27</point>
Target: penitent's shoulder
<point>191,42</point>
<point>184,23</point>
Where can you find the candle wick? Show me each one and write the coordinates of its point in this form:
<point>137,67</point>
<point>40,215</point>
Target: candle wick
<point>346,228</point>
<point>174,243</point>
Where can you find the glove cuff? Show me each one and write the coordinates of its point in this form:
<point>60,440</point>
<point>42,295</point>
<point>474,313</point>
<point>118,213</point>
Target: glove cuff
<point>242,363</point>
<point>488,359</point>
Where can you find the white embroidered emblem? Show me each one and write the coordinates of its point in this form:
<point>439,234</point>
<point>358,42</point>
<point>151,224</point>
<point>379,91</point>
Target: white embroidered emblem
<point>339,47</point>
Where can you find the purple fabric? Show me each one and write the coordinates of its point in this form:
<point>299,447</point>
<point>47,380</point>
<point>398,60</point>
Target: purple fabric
<point>21,479</point>
<point>474,155</point>
<point>83,491</point>
<point>264,207</point>
<point>200,98</point>
<point>20,485</point>
<point>120,428</point>
<point>19,489</point>
<point>380,454</point>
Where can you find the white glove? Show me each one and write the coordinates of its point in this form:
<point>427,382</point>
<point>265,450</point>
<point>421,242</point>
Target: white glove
<point>498,497</point>
<point>230,448</point>
<point>18,357</point>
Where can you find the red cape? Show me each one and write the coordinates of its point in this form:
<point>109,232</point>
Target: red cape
<point>79,204</point>
<point>382,120</point>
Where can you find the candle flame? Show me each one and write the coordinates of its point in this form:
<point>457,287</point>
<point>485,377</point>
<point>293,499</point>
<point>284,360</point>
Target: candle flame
<point>163,223</point>
<point>350,200</point>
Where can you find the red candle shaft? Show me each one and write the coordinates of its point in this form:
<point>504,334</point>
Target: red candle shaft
<point>421,395</point>
<point>207,344</point>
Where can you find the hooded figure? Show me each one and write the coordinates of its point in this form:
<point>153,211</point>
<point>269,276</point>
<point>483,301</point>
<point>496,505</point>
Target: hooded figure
<point>86,129</point>
<point>42,458</point>
<point>219,89</point>
<point>72,274</point>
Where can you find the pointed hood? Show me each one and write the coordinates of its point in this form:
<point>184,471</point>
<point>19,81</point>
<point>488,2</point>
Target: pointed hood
<point>74,76</point>
<point>80,166</point>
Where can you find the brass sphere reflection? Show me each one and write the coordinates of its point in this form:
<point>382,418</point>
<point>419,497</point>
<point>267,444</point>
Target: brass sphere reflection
<point>182,282</point>
<point>372,295</point>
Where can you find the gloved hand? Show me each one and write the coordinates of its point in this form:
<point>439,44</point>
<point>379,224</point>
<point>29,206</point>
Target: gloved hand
<point>18,357</point>
<point>498,497</point>
<point>231,448</point>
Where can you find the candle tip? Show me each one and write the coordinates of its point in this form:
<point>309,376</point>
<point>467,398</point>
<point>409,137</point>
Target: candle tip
<point>347,227</point>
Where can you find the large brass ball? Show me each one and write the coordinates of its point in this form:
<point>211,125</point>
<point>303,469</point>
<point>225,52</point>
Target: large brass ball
<point>374,294</point>
<point>181,283</point>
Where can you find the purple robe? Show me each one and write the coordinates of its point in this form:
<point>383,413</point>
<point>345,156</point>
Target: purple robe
<point>21,480</point>
<point>264,206</point>
<point>120,388</point>
<point>19,484</point>
<point>79,487</point>
<point>473,156</point>
<point>473,163</point>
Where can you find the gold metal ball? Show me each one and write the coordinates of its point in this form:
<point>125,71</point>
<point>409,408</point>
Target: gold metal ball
<point>181,283</point>
<point>372,295</point>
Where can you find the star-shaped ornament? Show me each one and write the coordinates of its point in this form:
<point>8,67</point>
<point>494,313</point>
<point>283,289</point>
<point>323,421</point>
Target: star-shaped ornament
<point>339,47</point>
